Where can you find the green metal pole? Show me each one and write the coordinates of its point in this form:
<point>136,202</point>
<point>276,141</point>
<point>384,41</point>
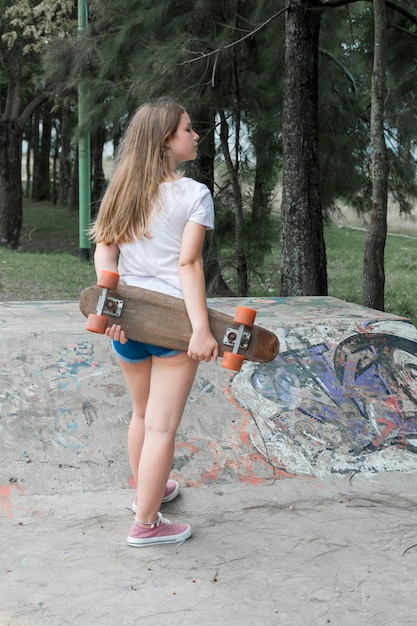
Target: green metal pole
<point>84,166</point>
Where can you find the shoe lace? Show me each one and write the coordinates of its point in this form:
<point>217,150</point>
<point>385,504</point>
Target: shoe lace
<point>164,520</point>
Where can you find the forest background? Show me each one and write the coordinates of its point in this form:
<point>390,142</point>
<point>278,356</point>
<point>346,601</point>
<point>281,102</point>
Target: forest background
<point>304,107</point>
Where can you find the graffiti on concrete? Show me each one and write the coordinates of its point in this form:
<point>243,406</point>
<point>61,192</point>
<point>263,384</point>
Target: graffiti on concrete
<point>36,395</point>
<point>340,397</point>
<point>337,401</point>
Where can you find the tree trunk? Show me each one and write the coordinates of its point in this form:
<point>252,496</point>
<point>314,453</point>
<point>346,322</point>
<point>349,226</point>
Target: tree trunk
<point>303,256</point>
<point>265,180</point>
<point>242,266</point>
<point>202,169</point>
<point>43,186</point>
<point>373,266</point>
<point>98,178</point>
<point>28,169</point>
<point>55,140</point>
<point>35,153</point>
<point>74,183</point>
<point>11,194</point>
<point>12,122</point>
<point>65,156</point>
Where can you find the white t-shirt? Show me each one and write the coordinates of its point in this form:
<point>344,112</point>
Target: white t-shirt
<point>152,263</point>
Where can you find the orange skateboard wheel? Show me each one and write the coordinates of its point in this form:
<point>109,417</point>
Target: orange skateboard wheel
<point>108,280</point>
<point>244,316</point>
<point>232,361</point>
<point>97,323</point>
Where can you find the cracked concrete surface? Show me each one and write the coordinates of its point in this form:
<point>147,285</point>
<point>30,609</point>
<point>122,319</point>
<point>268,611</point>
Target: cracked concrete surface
<point>270,546</point>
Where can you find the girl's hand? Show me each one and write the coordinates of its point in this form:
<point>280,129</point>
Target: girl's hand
<point>115,332</point>
<point>203,347</point>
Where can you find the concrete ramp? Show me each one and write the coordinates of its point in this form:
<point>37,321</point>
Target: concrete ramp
<point>342,394</point>
<point>65,411</point>
<point>321,547</point>
<point>340,397</point>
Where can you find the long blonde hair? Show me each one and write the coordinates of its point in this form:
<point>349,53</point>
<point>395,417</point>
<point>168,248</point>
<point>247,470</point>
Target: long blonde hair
<point>141,165</point>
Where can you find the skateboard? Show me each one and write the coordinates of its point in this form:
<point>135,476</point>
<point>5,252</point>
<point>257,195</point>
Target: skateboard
<point>162,320</point>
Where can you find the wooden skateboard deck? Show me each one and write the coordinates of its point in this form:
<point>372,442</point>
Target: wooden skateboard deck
<point>162,320</point>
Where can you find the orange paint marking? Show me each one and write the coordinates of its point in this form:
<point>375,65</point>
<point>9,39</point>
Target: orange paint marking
<point>233,400</point>
<point>6,507</point>
<point>244,462</point>
<point>393,405</point>
<point>187,444</point>
<point>385,432</point>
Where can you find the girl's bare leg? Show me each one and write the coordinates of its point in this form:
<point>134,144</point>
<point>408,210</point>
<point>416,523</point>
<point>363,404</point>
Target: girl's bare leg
<point>137,376</point>
<point>170,380</point>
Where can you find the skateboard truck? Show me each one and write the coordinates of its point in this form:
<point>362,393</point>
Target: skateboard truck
<point>108,305</point>
<point>238,338</point>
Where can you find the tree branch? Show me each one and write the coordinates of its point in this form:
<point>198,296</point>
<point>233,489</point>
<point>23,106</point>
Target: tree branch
<point>203,55</point>
<point>27,112</point>
<point>395,6</point>
<point>329,4</point>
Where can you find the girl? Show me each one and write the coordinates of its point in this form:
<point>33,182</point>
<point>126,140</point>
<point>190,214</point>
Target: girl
<point>150,228</point>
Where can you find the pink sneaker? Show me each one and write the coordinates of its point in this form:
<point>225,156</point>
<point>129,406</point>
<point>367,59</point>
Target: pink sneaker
<point>163,531</point>
<point>171,491</point>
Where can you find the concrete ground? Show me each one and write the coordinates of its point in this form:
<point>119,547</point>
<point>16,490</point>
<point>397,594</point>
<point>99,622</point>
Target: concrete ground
<point>270,546</point>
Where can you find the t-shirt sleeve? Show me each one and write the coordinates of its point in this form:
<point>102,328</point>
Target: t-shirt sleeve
<point>203,209</point>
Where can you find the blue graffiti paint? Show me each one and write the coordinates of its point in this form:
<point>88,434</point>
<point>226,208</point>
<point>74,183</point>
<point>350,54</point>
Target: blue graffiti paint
<point>65,431</point>
<point>76,359</point>
<point>365,389</point>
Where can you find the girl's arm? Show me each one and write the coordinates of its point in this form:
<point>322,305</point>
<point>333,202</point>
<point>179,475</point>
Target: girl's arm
<point>105,258</point>
<point>203,346</point>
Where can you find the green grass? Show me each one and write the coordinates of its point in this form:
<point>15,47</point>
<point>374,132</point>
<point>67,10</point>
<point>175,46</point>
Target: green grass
<point>345,248</point>
<point>48,266</point>
<point>32,276</point>
<point>49,229</point>
<point>344,252</point>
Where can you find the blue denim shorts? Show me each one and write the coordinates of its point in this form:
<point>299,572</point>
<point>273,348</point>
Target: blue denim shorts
<point>137,351</point>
